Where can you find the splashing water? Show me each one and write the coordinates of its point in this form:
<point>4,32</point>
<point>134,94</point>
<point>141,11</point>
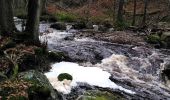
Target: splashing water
<point>138,65</point>
<point>82,74</point>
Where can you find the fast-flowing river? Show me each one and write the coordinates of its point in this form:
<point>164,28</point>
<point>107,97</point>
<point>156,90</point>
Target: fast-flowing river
<point>134,70</point>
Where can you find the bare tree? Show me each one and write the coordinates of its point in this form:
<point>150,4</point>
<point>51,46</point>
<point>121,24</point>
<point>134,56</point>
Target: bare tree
<point>145,12</point>
<point>44,6</point>
<point>134,13</point>
<point>169,8</point>
<point>120,11</point>
<point>32,25</point>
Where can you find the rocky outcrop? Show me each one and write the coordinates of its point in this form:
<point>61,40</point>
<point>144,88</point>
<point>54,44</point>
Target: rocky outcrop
<point>41,88</point>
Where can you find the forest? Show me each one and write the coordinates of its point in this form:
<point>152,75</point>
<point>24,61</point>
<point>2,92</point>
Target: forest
<point>84,49</point>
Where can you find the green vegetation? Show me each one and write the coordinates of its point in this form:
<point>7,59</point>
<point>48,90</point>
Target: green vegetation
<point>63,76</point>
<point>65,17</point>
<point>162,41</point>
<point>153,39</point>
<point>121,25</point>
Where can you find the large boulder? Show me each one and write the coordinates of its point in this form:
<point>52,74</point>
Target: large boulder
<point>58,26</point>
<point>166,74</point>
<point>41,88</point>
<point>79,25</point>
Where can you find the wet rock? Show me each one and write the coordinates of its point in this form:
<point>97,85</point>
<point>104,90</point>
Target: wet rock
<point>89,25</point>
<point>103,28</point>
<point>87,92</point>
<point>58,56</point>
<point>69,38</point>
<point>58,26</point>
<point>41,89</point>
<point>79,25</point>
<point>166,73</point>
<point>100,95</point>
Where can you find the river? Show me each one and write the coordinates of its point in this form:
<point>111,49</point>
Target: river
<point>134,70</point>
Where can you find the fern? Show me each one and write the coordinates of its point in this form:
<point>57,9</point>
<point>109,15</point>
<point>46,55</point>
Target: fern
<point>15,71</point>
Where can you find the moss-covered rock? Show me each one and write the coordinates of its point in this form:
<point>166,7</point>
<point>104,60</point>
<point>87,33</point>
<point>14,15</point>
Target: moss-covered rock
<point>57,56</point>
<point>100,95</point>
<point>41,88</point>
<point>63,76</point>
<point>153,39</point>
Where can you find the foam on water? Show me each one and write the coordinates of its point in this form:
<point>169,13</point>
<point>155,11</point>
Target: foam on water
<point>90,75</point>
<point>54,36</point>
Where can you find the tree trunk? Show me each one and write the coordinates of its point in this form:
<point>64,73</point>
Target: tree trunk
<point>134,13</point>
<point>32,25</point>
<point>120,11</point>
<point>7,25</point>
<point>114,10</point>
<point>44,4</point>
<point>145,13</point>
<point>168,8</point>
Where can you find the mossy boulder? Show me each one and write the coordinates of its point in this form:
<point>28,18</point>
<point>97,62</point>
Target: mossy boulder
<point>41,88</point>
<point>63,76</point>
<point>154,39</point>
<point>100,95</point>
<point>57,56</point>
<point>58,26</point>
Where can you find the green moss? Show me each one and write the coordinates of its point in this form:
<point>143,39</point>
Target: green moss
<point>63,76</point>
<point>153,39</point>
<point>40,89</point>
<point>65,17</point>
